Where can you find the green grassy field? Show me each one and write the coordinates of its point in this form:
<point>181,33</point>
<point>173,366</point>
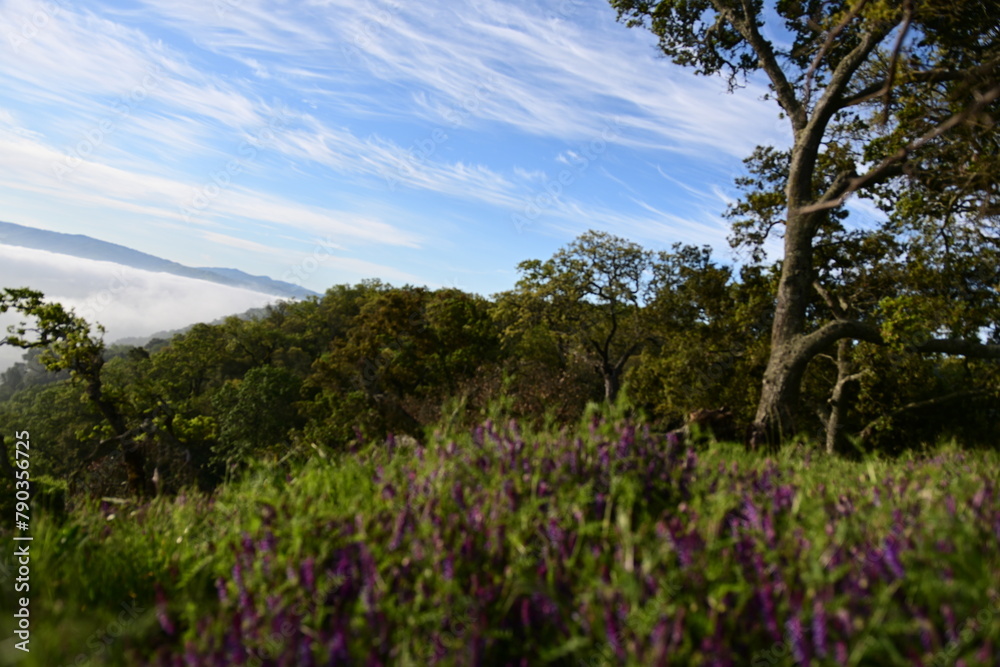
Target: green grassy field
<point>593,545</point>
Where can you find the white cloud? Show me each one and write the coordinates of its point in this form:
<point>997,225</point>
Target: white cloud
<point>547,77</point>
<point>29,165</point>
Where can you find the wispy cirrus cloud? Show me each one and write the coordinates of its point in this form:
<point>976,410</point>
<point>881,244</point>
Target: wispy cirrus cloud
<point>391,127</point>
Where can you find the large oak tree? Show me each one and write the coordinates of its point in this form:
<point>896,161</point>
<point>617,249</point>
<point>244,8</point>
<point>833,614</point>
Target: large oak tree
<point>894,101</point>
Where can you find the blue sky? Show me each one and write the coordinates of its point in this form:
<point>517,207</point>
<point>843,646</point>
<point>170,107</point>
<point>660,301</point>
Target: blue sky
<point>429,143</point>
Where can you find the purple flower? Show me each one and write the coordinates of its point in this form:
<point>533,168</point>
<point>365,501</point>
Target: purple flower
<point>308,574</point>
<point>841,653</point>
<point>977,500</point>
<point>238,573</point>
<point>949,619</point>
<point>337,647</point>
<point>248,547</point>
<point>783,497</point>
<point>752,515</point>
<point>269,543</point>
<point>768,525</point>
<point>767,605</point>
<point>220,585</point>
<point>890,556</point>
<point>397,531</point>
<point>800,650</point>
<point>673,440</point>
<point>690,461</point>
<point>819,628</point>
<point>161,611</point>
<point>554,532</point>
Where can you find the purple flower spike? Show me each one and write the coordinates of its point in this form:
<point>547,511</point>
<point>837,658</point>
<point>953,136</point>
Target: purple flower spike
<point>949,618</point>
<point>841,653</point>
<point>161,611</point>
<point>309,575</point>
<point>752,515</point>
<point>800,650</point>
<point>268,544</point>
<point>338,648</point>
<point>767,604</point>
<point>890,556</point>
<point>673,440</point>
<point>819,628</point>
<point>220,585</point>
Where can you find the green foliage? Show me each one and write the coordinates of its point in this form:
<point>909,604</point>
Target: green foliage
<point>404,353</point>
<point>587,300</point>
<point>255,413</point>
<point>710,334</point>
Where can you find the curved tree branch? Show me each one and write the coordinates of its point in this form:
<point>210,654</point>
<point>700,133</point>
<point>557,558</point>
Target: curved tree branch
<point>746,25</point>
<point>891,165</point>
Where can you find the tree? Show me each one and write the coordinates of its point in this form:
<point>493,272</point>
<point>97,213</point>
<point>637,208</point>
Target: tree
<point>589,295</point>
<point>708,336</point>
<point>256,413</point>
<point>69,344</point>
<point>404,352</point>
<point>879,95</point>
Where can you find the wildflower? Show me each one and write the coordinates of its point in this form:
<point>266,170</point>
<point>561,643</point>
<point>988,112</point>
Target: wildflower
<point>819,628</point>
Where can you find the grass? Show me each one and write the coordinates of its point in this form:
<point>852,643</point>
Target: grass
<point>591,545</point>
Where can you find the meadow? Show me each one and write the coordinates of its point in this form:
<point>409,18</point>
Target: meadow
<point>598,544</point>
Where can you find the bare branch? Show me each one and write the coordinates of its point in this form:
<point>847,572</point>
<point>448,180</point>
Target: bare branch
<point>839,306</point>
<point>868,430</point>
<point>937,75</point>
<point>840,185</point>
<point>825,49</point>
<point>831,101</point>
<point>891,164</point>
<point>747,27</point>
<point>894,60</point>
<point>835,330</point>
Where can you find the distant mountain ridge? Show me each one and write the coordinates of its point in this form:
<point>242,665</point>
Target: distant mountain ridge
<point>87,247</point>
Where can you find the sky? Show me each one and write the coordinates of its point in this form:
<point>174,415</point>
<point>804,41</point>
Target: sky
<point>433,143</point>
